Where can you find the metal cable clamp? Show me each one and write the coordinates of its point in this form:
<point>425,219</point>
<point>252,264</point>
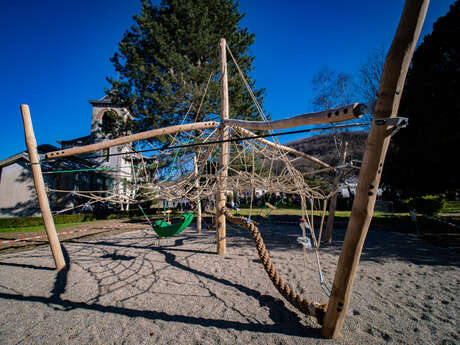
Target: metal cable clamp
<point>396,122</point>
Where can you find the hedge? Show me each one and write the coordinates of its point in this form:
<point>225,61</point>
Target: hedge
<point>427,204</point>
<point>69,218</point>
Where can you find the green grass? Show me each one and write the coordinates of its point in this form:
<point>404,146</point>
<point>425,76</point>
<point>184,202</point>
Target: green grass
<point>451,207</point>
<point>37,228</point>
<point>297,212</point>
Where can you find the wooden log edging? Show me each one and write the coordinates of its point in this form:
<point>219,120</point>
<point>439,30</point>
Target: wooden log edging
<point>291,295</point>
<point>40,237</point>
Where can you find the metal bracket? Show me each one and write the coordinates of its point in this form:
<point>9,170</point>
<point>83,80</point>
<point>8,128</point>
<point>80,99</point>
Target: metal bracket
<point>396,122</point>
<point>366,108</point>
<point>355,163</point>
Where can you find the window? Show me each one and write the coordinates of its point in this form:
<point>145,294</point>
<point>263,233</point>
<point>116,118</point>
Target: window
<point>108,122</point>
<point>99,183</point>
<point>105,155</point>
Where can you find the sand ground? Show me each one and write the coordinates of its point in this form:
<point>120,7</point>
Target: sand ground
<point>128,289</point>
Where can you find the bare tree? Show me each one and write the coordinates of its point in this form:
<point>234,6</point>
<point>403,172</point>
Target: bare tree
<point>331,89</point>
<point>369,73</point>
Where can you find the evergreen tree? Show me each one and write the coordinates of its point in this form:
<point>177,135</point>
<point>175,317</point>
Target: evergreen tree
<point>167,57</point>
<point>422,157</point>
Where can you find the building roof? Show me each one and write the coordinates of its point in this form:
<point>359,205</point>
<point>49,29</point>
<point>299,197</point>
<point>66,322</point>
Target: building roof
<point>13,159</point>
<point>67,162</point>
<point>104,101</point>
<point>76,142</point>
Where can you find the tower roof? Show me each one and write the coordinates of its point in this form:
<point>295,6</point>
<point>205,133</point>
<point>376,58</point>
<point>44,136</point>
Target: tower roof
<point>104,101</point>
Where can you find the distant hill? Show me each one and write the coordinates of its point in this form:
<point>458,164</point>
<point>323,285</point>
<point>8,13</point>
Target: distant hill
<point>324,147</point>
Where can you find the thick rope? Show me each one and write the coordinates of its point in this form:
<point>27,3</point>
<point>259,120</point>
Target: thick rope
<point>291,295</point>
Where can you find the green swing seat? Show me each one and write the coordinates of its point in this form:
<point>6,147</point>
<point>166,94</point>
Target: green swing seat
<point>164,229</point>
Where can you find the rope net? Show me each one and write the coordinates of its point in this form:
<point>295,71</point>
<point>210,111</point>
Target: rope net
<point>191,174</point>
<point>188,170</point>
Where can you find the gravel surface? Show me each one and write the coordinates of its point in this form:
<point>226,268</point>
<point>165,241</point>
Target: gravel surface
<point>127,288</point>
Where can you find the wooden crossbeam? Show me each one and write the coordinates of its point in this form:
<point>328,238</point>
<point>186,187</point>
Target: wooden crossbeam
<point>78,150</point>
<point>345,113</point>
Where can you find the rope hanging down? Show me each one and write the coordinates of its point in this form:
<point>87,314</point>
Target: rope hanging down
<point>291,295</point>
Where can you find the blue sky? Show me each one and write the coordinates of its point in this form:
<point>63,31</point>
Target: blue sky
<point>55,55</point>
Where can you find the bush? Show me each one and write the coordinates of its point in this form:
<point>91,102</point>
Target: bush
<point>20,222</point>
<point>36,221</point>
<point>427,205</point>
<point>66,218</point>
<point>401,206</point>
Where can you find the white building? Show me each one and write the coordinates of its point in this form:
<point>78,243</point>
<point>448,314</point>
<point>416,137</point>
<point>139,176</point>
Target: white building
<point>17,193</point>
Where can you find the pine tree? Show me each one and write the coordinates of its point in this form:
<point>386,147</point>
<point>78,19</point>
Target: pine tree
<point>170,56</point>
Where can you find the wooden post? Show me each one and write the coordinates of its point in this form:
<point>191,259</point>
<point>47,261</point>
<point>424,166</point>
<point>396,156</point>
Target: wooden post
<point>333,204</point>
<point>198,203</point>
<point>390,89</point>
<point>221,197</point>
<point>31,143</point>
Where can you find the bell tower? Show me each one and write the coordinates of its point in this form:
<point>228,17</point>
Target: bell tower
<point>99,121</point>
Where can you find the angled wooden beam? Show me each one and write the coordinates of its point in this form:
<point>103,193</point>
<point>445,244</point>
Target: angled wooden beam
<point>287,149</point>
<point>78,150</point>
<point>345,113</point>
<point>389,95</point>
<point>39,183</point>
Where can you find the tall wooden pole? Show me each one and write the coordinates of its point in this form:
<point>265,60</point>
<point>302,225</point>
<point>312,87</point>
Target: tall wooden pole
<point>221,197</point>
<point>333,204</point>
<point>40,188</point>
<point>198,204</point>
<point>389,95</point>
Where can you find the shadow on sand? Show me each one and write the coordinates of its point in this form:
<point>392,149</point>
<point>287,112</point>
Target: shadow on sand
<point>284,320</point>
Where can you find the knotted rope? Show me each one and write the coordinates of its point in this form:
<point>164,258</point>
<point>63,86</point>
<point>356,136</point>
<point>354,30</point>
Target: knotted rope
<point>291,295</point>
